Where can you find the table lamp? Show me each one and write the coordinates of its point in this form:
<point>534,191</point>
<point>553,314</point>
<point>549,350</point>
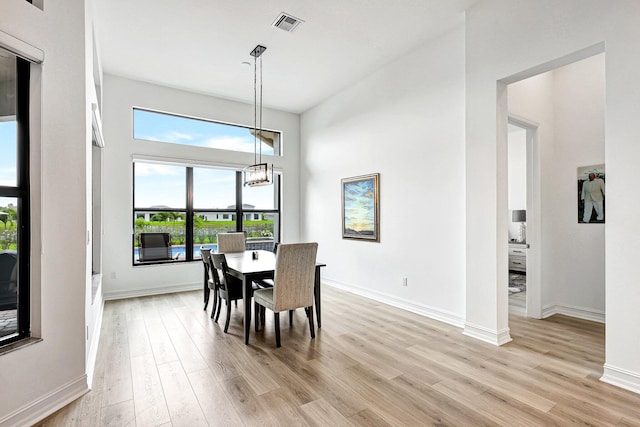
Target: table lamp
<point>521,217</point>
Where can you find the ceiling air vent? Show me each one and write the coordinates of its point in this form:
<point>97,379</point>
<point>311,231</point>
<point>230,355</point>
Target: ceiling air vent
<point>287,22</point>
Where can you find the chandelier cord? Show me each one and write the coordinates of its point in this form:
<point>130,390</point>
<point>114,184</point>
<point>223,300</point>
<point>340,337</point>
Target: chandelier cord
<point>255,107</point>
<point>260,128</point>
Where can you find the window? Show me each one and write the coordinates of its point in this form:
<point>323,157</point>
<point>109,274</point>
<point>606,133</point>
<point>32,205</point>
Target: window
<point>174,129</point>
<point>193,204</point>
<point>14,198</point>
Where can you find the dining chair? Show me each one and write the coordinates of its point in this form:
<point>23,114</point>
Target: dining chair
<point>226,287</point>
<point>208,282</point>
<point>231,242</point>
<point>293,283</point>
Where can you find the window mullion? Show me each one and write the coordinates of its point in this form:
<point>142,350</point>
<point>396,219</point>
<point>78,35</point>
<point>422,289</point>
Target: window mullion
<point>189,219</point>
<point>239,210</point>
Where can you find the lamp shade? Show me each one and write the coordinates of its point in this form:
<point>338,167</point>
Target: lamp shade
<point>519,215</point>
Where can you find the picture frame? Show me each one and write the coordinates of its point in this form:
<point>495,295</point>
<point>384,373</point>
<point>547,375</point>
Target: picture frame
<point>361,207</point>
<point>591,194</point>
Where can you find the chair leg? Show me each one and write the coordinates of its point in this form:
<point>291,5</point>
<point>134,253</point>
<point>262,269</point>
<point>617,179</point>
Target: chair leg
<point>207,292</point>
<point>219,307</point>
<point>226,323</point>
<point>257,316</point>
<point>276,321</point>
<point>215,302</point>
<point>290,317</point>
<point>311,328</point>
<point>263,315</point>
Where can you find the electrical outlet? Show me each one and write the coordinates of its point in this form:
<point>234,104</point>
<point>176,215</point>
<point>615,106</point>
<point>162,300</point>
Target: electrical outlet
<point>404,281</point>
<point>113,275</point>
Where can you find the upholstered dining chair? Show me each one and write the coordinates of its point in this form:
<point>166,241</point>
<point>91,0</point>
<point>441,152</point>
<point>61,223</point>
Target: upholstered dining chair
<point>231,242</point>
<point>208,282</point>
<point>293,283</point>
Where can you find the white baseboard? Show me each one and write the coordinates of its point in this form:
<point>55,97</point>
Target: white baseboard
<point>143,292</point>
<point>95,340</point>
<point>430,312</point>
<point>621,378</point>
<point>571,311</point>
<point>490,336</point>
<point>47,404</point>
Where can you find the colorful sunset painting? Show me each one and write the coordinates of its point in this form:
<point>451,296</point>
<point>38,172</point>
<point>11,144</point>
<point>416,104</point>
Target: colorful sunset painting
<point>360,207</point>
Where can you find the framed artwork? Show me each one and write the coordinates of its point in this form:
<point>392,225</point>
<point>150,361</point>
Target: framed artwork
<point>591,207</point>
<point>361,207</point>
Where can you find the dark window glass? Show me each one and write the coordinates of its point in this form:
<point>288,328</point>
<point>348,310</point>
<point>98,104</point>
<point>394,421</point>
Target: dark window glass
<point>14,198</point>
<point>179,209</point>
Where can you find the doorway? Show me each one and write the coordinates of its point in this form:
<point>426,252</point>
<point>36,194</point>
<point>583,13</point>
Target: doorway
<point>524,207</point>
<point>562,113</point>
<point>523,202</point>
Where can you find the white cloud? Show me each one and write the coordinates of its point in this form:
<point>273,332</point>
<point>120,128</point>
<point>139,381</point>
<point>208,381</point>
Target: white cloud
<point>233,143</point>
<point>173,136</point>
<point>147,169</point>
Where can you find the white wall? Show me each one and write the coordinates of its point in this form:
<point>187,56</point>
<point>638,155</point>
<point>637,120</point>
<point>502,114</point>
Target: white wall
<point>568,104</point>
<point>406,122</point>
<point>517,165</point>
<point>120,278</point>
<point>46,375</point>
<point>537,36</point>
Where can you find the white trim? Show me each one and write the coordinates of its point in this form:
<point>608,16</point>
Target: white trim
<point>621,378</point>
<point>481,333</point>
<point>177,161</point>
<point>96,123</point>
<point>534,225</point>
<point>143,292</point>
<point>95,340</point>
<point>21,48</point>
<point>571,311</point>
<point>46,405</point>
<point>423,310</point>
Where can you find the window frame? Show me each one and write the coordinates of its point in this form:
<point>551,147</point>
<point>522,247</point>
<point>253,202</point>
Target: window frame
<point>21,192</point>
<point>276,153</point>
<point>236,214</point>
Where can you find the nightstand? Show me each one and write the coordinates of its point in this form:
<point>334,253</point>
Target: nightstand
<point>518,256</point>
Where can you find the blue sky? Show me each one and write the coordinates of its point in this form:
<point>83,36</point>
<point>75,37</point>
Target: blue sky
<point>8,153</point>
<point>182,130</point>
<point>158,184</point>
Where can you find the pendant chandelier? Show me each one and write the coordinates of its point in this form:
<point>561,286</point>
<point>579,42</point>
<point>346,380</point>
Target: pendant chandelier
<point>259,173</point>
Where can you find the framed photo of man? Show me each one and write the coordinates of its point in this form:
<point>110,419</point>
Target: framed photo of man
<point>591,183</point>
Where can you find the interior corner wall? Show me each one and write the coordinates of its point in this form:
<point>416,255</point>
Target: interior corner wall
<point>568,105</point>
<point>120,278</point>
<point>506,38</point>
<point>40,378</point>
<point>406,122</point>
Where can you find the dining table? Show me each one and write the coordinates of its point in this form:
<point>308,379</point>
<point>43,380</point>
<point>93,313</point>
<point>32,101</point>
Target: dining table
<point>253,266</point>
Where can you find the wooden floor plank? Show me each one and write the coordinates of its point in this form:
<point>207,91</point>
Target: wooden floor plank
<point>163,361</point>
<point>148,394</point>
<point>181,400</point>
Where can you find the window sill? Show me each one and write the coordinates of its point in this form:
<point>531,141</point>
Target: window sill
<point>18,345</point>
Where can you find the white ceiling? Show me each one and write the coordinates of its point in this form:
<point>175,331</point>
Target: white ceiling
<point>199,45</point>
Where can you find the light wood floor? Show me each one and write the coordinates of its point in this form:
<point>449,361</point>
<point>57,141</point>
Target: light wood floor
<point>162,361</point>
